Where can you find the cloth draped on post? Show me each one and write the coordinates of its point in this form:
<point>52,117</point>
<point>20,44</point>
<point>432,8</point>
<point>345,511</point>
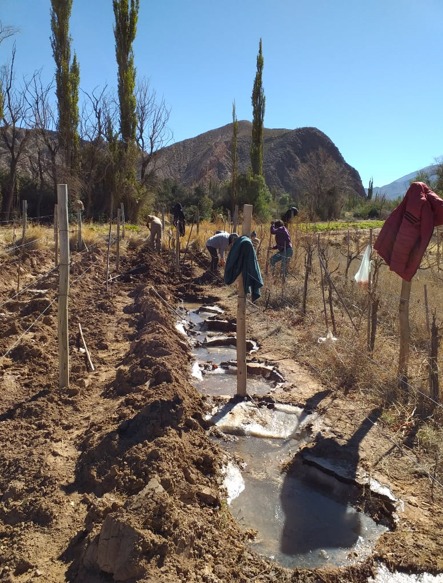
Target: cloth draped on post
<point>243,260</point>
<point>406,233</point>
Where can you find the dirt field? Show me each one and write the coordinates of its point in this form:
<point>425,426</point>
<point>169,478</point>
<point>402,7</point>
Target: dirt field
<point>115,478</point>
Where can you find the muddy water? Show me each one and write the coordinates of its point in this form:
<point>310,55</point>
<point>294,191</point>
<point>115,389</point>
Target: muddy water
<point>306,518</point>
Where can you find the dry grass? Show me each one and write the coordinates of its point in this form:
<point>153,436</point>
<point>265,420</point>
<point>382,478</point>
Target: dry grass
<point>346,364</point>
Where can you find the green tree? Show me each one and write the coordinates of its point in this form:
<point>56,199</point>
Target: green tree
<point>126,17</point>
<point>258,110</point>
<point>130,192</point>
<point>234,157</point>
<point>67,78</point>
<point>370,189</point>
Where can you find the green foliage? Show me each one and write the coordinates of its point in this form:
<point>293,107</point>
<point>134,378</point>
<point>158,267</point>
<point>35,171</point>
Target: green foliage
<point>253,190</point>
<point>126,17</point>
<point>196,203</point>
<point>67,77</point>
<point>258,114</point>
<point>366,209</point>
<point>234,155</point>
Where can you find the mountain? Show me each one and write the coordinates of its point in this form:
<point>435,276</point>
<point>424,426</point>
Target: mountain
<point>401,185</point>
<point>207,158</point>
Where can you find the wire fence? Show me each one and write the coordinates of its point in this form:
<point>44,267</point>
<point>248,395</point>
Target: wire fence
<point>347,299</point>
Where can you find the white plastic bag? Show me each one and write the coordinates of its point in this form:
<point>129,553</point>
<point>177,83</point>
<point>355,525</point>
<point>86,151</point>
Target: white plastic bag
<point>363,274</point>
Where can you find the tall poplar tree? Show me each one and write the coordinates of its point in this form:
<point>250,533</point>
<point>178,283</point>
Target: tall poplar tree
<point>67,77</point>
<point>126,17</point>
<point>234,157</point>
<point>258,110</point>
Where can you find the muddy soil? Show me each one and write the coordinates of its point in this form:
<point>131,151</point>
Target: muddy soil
<point>115,477</point>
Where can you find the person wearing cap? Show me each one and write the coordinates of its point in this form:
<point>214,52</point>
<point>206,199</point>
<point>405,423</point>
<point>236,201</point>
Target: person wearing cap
<point>217,246</point>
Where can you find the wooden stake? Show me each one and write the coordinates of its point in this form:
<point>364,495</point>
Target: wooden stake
<point>24,219</point>
<point>108,252</point>
<point>88,356</point>
<point>122,217</point>
<point>177,246</point>
<point>56,234</point>
<point>63,337</point>
<point>117,263</point>
<point>79,233</point>
<point>241,314</point>
<point>404,334</point>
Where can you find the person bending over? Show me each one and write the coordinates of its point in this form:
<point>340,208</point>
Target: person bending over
<point>217,246</point>
<point>154,224</point>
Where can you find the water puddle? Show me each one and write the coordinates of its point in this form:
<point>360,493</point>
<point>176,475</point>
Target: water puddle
<point>301,513</point>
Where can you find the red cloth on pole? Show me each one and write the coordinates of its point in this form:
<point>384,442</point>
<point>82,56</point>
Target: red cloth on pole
<point>407,231</point>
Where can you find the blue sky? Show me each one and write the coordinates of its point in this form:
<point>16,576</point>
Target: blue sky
<point>365,72</point>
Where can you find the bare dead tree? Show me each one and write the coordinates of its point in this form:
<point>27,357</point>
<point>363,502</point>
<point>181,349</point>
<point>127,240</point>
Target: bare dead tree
<point>152,132</point>
<point>326,185</point>
<point>45,158</point>
<point>98,119</point>
<point>16,117</point>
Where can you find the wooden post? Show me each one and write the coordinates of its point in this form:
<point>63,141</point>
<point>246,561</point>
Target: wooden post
<point>177,246</point>
<point>434,388</point>
<point>322,285</point>
<point>63,337</point>
<point>369,322</point>
<point>122,217</point>
<point>404,334</point>
<point>117,263</point>
<point>235,219</point>
<point>241,314</point>
<point>108,253</point>
<point>79,232</point>
<point>24,219</point>
<point>56,234</point>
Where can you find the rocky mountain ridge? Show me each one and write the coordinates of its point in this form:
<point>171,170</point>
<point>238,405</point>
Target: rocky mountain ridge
<point>207,158</point>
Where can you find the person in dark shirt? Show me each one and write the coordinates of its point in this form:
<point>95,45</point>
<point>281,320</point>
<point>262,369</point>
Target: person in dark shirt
<point>283,244</point>
<point>179,218</point>
<point>289,214</point>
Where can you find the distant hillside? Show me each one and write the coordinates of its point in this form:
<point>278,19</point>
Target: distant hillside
<point>207,158</point>
<point>401,185</point>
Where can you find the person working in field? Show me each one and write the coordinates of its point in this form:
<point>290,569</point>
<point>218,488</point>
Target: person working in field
<point>154,224</point>
<point>217,246</point>
<point>178,219</point>
<point>283,244</point>
<point>256,242</point>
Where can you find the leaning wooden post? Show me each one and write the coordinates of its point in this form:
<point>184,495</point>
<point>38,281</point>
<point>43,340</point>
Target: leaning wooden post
<point>117,264</point>
<point>122,217</point>
<point>79,232</point>
<point>56,234</point>
<point>241,314</point>
<point>235,219</point>
<point>177,246</point>
<point>63,337</point>
<point>108,254</point>
<point>24,219</point>
<point>404,334</point>
<point>369,322</point>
